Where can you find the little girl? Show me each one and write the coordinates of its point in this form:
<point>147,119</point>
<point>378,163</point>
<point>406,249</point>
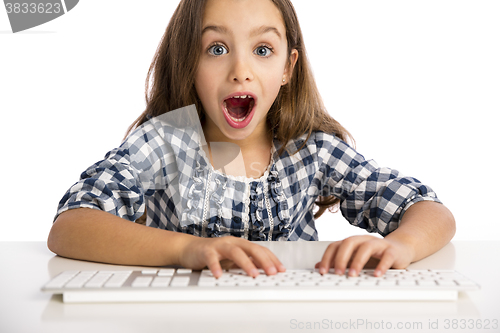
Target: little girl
<point>239,69</point>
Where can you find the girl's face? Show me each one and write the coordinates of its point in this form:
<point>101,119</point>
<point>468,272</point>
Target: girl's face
<point>242,67</point>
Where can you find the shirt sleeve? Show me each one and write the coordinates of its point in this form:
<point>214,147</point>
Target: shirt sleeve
<point>119,183</point>
<point>111,185</point>
<point>149,160</point>
<point>371,197</point>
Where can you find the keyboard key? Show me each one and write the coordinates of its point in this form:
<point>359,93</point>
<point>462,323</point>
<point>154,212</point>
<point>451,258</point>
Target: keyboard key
<point>367,272</point>
<point>367,283</point>
<point>447,283</point>
<point>149,271</point>
<point>206,272</point>
<point>117,280</point>
<point>307,283</point>
<point>166,272</point>
<point>161,281</point>
<point>142,281</point>
<point>348,282</point>
<point>387,282</point>
<point>60,280</point>
<point>406,283</point>
<point>248,283</point>
<point>77,282</point>
<point>335,277</point>
<point>226,283</point>
<point>207,282</point>
<point>426,283</point>
<point>98,280</point>
<point>327,283</point>
<point>184,271</point>
<point>419,271</point>
<point>287,283</point>
<point>447,274</point>
<point>236,271</point>
<point>267,283</point>
<point>180,281</point>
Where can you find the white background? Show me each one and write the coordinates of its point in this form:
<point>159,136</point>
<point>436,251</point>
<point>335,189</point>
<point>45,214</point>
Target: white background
<point>417,83</point>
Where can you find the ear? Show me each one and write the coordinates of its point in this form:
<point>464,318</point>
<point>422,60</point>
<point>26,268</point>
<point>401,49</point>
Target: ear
<point>292,60</point>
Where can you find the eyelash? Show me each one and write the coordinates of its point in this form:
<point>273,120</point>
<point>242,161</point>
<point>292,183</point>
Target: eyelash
<point>271,50</point>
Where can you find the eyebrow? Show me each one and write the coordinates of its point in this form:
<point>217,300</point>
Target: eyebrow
<point>255,32</point>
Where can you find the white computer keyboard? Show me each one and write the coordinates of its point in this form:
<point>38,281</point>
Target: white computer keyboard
<point>185,285</point>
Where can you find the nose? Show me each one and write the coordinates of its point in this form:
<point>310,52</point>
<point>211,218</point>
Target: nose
<point>241,69</point>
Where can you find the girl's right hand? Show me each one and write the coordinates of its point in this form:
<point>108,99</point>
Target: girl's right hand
<point>200,252</point>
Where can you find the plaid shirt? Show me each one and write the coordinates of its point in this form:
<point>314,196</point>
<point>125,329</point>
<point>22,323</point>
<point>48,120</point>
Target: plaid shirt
<point>162,168</point>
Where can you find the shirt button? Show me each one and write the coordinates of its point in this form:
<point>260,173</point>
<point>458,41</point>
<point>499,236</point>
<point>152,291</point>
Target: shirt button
<point>237,220</point>
<point>239,187</point>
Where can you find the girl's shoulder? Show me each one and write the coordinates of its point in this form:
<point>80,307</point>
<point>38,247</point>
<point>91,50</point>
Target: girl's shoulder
<point>317,143</point>
<point>179,130</point>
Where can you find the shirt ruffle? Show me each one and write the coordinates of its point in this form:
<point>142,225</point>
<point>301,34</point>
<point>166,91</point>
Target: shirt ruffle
<point>256,211</point>
<point>276,193</point>
<point>217,198</point>
<point>194,197</point>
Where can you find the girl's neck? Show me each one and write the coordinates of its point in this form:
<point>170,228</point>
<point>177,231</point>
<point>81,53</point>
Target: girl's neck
<point>260,138</point>
<point>249,157</point>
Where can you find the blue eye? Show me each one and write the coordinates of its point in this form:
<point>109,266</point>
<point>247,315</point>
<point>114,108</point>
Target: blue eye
<point>217,50</point>
<point>263,51</point>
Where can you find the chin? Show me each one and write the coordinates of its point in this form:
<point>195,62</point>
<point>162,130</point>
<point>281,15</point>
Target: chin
<point>237,135</point>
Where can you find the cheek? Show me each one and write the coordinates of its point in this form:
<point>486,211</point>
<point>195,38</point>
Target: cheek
<point>272,83</point>
<point>202,84</point>
<point>274,75</point>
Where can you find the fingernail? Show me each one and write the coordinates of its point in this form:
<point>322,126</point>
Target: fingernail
<point>282,268</point>
<point>272,271</point>
<point>377,272</point>
<point>352,272</point>
<point>254,272</point>
<point>338,271</point>
<point>217,273</point>
<point>322,270</point>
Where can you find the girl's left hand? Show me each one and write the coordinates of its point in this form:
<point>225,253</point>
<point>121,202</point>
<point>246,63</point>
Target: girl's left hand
<point>359,249</point>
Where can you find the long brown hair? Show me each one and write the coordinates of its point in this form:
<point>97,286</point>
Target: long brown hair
<point>297,110</point>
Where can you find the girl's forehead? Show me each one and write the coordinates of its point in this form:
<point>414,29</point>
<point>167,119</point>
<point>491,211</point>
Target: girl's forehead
<point>243,14</point>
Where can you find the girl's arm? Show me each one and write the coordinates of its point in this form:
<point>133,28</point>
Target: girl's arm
<point>424,229</point>
<point>94,235</point>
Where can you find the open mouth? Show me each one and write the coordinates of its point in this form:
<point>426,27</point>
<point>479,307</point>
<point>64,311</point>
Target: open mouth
<point>239,107</point>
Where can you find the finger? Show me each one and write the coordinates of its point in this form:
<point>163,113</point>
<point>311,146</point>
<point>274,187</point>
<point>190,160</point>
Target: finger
<point>227,264</point>
<point>345,253</point>
<point>240,258</point>
<point>279,266</point>
<point>277,262</point>
<point>326,261</point>
<point>386,262</point>
<point>363,254</point>
<point>213,264</point>
<point>265,259</point>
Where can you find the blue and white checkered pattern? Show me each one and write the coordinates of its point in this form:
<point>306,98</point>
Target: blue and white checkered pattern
<point>162,166</point>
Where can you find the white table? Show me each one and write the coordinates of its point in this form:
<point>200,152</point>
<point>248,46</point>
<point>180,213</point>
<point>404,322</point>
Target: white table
<point>24,308</point>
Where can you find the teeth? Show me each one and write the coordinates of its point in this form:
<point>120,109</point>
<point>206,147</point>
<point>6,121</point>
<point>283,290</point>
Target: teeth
<point>237,120</point>
<point>242,96</point>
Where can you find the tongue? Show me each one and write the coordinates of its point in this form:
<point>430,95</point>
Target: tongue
<point>237,107</point>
